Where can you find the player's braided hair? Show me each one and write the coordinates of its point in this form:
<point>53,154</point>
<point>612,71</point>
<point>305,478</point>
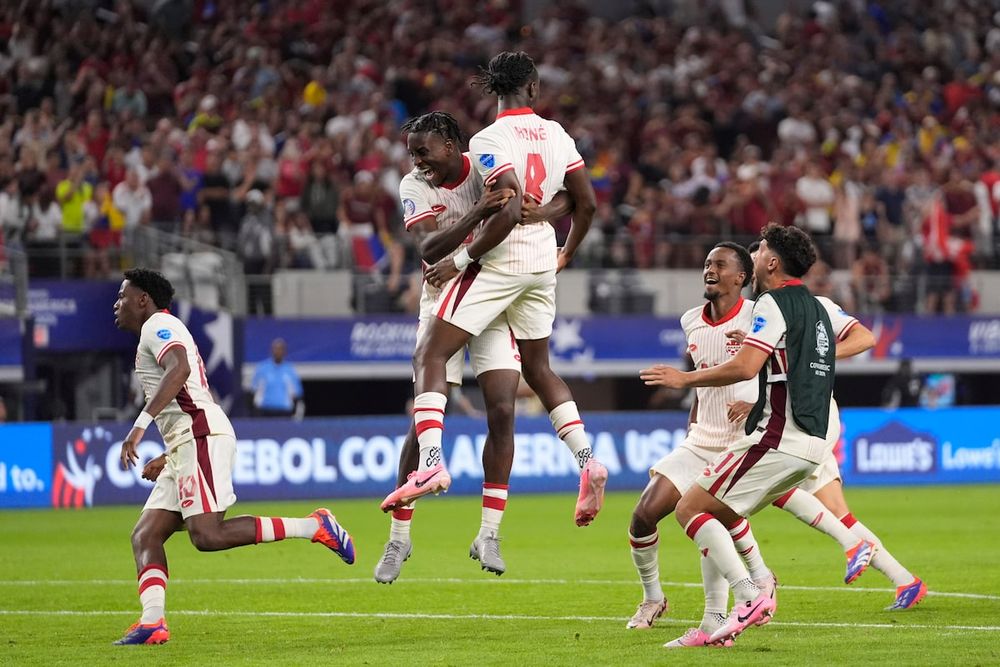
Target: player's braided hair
<point>746,264</point>
<point>506,73</point>
<point>793,246</point>
<point>439,122</point>
<point>152,283</point>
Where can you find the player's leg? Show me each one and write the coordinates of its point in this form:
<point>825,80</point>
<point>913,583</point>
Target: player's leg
<point>398,549</point>
<point>499,391</point>
<point>910,589</point>
<point>205,488</point>
<point>658,499</point>
<point>152,530</point>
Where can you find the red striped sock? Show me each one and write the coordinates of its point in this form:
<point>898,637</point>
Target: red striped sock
<point>399,531</point>
<point>494,504</point>
<point>428,420</point>
<point>152,592</point>
<point>566,421</point>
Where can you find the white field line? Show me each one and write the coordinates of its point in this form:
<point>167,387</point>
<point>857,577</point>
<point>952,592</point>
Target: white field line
<point>474,617</point>
<point>456,580</point>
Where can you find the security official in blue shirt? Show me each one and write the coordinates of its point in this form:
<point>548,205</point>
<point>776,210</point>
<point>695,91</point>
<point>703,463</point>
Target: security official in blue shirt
<point>277,389</point>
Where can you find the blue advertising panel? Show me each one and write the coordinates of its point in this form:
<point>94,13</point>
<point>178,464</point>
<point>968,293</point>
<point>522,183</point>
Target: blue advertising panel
<point>76,315</point>
<point>10,342</point>
<point>25,465</point>
<point>915,446</point>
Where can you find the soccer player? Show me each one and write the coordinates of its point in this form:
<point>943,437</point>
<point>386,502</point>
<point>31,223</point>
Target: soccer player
<point>788,433</point>
<point>193,477</point>
<point>443,201</point>
<point>819,501</point>
<point>510,268</point>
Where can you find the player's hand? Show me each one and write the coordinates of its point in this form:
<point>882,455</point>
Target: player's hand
<point>439,274</point>
<point>562,260</point>
<point>531,212</point>
<point>493,200</point>
<point>736,334</point>
<point>737,411</point>
<point>153,469</point>
<point>665,376</point>
<point>129,456</point>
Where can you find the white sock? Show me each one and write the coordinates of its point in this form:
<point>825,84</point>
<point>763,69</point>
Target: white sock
<point>746,546</point>
<point>566,421</point>
<point>807,508</point>
<point>645,555</point>
<point>428,417</point>
<point>275,529</point>
<point>716,597</point>
<point>494,504</point>
<point>883,560</point>
<point>716,543</point>
<point>153,593</point>
<point>399,531</point>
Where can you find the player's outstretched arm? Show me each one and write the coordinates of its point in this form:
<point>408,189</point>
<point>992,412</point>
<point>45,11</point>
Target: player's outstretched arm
<point>581,190</point>
<point>744,366</point>
<point>859,339</point>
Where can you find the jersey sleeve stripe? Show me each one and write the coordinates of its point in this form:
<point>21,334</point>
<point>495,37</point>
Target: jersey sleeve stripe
<point>409,222</point>
<point>175,343</point>
<point>495,173</point>
<point>574,166</point>
<point>843,332</point>
<point>759,344</point>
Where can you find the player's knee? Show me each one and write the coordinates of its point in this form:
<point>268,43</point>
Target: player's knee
<point>643,521</point>
<point>500,416</point>
<point>203,540</point>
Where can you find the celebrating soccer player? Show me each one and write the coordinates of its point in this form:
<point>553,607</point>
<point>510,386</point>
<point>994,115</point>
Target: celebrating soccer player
<point>193,477</point>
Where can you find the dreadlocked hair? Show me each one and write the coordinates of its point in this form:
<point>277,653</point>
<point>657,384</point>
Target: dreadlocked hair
<point>152,283</point>
<point>506,73</point>
<point>439,122</point>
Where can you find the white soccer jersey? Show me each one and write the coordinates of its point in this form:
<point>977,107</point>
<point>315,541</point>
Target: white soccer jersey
<point>708,346</point>
<point>421,200</point>
<point>193,410</point>
<point>540,153</point>
<point>767,333</point>
<point>841,321</point>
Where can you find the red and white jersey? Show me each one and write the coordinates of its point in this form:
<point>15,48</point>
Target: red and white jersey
<point>540,153</point>
<point>708,346</point>
<point>194,410</point>
<point>448,203</point>
<point>841,321</point>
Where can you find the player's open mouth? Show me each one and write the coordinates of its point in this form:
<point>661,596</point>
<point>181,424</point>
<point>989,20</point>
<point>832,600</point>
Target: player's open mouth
<point>711,281</point>
<point>429,174</point>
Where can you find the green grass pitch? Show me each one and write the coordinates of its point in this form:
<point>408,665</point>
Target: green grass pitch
<point>67,590</point>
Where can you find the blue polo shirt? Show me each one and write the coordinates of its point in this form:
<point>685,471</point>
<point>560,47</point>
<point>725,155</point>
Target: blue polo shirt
<point>275,386</point>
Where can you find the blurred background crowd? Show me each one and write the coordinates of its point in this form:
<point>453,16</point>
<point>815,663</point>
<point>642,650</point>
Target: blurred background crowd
<point>270,129</point>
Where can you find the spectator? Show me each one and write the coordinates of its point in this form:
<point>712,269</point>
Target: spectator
<point>165,190</point>
<point>133,199</point>
<point>15,214</point>
<point>73,194</point>
<point>870,280</point>
<point>817,197</point>
<point>277,389</point>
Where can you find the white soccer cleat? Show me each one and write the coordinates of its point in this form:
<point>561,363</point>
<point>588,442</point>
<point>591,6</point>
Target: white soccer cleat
<point>647,613</point>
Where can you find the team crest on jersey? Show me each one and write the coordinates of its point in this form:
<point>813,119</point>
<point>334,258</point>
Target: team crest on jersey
<point>759,323</point>
<point>163,334</point>
<point>822,339</point>
<point>409,207</point>
<point>487,160</point>
<point>733,346</point>
<point>692,347</point>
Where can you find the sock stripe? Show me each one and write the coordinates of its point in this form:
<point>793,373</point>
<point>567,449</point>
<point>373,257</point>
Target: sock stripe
<point>423,409</point>
<point>402,514</point>
<point>492,503</point>
<point>848,520</point>
<point>739,529</point>
<point>815,522</point>
<point>780,502</point>
<point>495,493</point>
<point>644,545</point>
<point>428,424</point>
<point>491,485</point>
<point>695,524</point>
<point>258,536</point>
<point>155,566</point>
<point>566,428</point>
<point>278,526</point>
<point>151,581</point>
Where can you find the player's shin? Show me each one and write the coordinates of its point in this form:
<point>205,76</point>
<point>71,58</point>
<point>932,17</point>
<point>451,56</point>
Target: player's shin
<point>153,592</point>
<point>883,561</point>
<point>746,545</point>
<point>809,510</point>
<point>645,556</point>
<point>428,417</point>
<point>715,543</point>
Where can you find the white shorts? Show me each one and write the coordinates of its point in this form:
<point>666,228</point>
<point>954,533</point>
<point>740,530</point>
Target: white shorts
<point>476,296</point>
<point>197,479</point>
<point>683,465</point>
<point>494,349</point>
<point>827,472</point>
<point>750,476</point>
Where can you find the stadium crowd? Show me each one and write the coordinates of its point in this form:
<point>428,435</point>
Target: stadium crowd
<point>271,129</point>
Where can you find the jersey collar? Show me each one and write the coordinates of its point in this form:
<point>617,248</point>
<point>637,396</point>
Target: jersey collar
<point>791,283</point>
<point>519,111</point>
<point>733,312</point>
<point>466,168</point>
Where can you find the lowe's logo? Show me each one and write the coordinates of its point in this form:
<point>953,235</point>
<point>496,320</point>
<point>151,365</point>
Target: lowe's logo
<point>894,448</point>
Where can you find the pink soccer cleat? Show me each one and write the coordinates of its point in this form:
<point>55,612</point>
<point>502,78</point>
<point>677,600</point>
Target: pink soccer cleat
<point>418,483</point>
<point>694,637</point>
<point>593,479</point>
<point>769,586</point>
<point>743,616</point>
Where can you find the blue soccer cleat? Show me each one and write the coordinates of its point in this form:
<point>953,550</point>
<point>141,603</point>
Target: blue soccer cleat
<point>909,595</point>
<point>859,557</point>
<point>148,633</point>
<point>333,536</point>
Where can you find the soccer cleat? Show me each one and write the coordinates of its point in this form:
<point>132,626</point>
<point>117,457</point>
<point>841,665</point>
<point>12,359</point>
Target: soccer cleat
<point>418,483</point>
<point>647,613</point>
<point>396,553</point>
<point>333,536</point>
<point>487,551</point>
<point>859,557</point>
<point>769,586</point>
<point>148,633</point>
<point>909,595</point>
<point>741,617</point>
<point>593,479</point>
<point>695,637</point>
